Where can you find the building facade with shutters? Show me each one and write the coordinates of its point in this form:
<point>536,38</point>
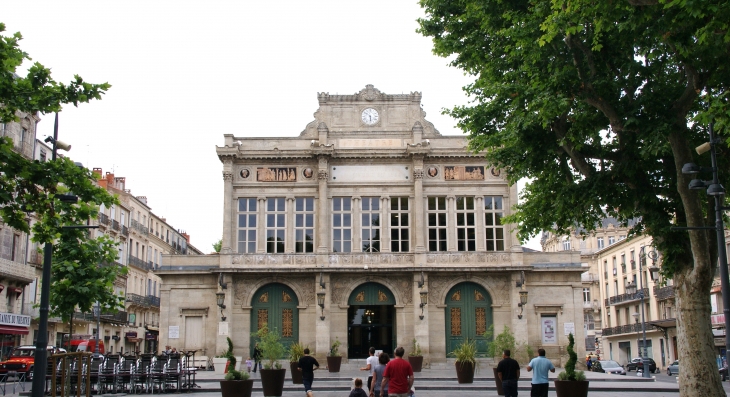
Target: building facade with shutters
<point>371,228</point>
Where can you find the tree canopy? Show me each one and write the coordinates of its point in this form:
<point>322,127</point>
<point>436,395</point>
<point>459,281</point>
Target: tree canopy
<point>600,104</point>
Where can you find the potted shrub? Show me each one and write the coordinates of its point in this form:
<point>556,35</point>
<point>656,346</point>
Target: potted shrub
<point>296,351</point>
<point>571,383</point>
<point>415,357</point>
<point>466,361</point>
<point>236,384</point>
<point>221,361</point>
<point>506,341</point>
<point>334,359</point>
<point>272,375</point>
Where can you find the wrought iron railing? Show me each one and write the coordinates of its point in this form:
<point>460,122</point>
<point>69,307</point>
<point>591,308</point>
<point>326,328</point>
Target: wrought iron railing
<point>116,226</point>
<point>624,298</point>
<point>625,329</point>
<point>125,231</point>
<point>138,227</point>
<point>138,263</point>
<point>103,218</point>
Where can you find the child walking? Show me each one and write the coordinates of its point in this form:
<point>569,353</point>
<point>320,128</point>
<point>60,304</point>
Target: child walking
<point>249,364</point>
<point>358,391</point>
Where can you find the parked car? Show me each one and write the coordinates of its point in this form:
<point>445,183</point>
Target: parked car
<point>612,367</point>
<point>637,364</point>
<point>673,369</point>
<point>22,359</point>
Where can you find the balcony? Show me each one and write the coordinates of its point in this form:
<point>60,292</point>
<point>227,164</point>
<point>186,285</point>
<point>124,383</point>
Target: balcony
<point>139,263</point>
<point>125,231</point>
<point>154,300</point>
<point>663,293</point>
<point>138,300</point>
<point>625,298</point>
<point>138,227</point>
<point>36,258</point>
<point>626,329</point>
<point>16,270</point>
<point>589,278</point>
<point>116,317</point>
<point>103,219</point>
<point>116,226</point>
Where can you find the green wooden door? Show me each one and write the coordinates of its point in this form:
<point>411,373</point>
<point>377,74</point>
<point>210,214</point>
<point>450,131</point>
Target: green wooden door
<point>275,305</point>
<point>468,316</point>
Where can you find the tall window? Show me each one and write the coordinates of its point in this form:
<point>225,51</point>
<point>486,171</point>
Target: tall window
<point>493,223</point>
<point>304,224</point>
<point>586,294</point>
<point>246,225</point>
<point>465,224</point>
<point>437,223</point>
<point>275,224</point>
<point>611,240</point>
<point>566,244</point>
<point>588,321</point>
<point>399,225</point>
<point>341,224</point>
<point>600,242</point>
<point>370,224</point>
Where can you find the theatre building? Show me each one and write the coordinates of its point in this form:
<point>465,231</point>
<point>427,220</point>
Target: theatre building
<point>371,228</point>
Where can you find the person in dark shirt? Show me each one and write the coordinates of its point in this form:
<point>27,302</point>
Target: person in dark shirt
<point>256,357</point>
<point>508,371</point>
<point>358,391</point>
<point>307,365</point>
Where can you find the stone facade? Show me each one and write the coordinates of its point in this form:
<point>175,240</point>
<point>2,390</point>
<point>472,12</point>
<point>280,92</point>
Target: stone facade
<point>373,209</point>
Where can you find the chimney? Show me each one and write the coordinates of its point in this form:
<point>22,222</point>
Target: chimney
<point>142,199</point>
<point>186,237</point>
<point>97,173</point>
<point>110,179</point>
<point>120,182</point>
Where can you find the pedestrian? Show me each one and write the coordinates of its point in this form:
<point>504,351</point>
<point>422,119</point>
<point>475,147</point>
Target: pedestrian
<point>358,391</point>
<point>256,357</point>
<point>369,365</point>
<point>540,367</point>
<point>508,371</point>
<point>249,363</point>
<point>588,362</point>
<point>376,383</point>
<point>307,365</point>
<point>398,376</point>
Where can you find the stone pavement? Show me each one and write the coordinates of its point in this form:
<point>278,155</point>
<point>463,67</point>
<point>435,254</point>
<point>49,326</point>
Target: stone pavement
<point>440,380</point>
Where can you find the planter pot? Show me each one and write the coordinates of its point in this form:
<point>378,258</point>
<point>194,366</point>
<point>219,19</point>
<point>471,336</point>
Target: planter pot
<point>272,381</point>
<point>416,363</point>
<point>571,388</point>
<point>296,375</point>
<point>465,372</point>
<point>500,392</point>
<point>219,364</point>
<point>334,363</point>
<point>236,388</point>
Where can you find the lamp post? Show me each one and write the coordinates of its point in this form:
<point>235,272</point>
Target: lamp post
<point>41,353</point>
<point>631,289</point>
<point>715,189</point>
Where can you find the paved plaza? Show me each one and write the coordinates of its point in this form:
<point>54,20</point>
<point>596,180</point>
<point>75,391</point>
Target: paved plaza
<point>438,381</point>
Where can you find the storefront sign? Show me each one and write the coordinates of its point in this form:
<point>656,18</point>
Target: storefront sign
<point>569,328</point>
<point>173,332</point>
<point>14,319</point>
<point>717,319</point>
<point>548,329</point>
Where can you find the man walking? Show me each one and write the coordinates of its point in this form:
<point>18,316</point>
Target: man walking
<point>398,376</point>
<point>256,357</point>
<point>307,365</point>
<point>541,366</point>
<point>508,371</point>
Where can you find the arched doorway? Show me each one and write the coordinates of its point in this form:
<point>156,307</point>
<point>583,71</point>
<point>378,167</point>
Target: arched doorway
<point>371,320</point>
<point>468,316</point>
<point>275,305</point>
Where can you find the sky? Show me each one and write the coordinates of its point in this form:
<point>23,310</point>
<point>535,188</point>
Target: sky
<point>183,73</point>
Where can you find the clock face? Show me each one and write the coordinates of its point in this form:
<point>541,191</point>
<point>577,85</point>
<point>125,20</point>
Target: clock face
<point>370,116</point>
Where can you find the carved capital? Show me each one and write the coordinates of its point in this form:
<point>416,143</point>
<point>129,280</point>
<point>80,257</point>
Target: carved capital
<point>323,175</point>
<point>227,176</point>
<point>418,174</point>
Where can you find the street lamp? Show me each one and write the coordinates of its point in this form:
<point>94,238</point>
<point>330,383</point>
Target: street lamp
<point>716,190</point>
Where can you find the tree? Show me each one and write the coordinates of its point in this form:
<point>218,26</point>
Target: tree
<point>217,245</point>
<point>600,104</point>
<point>28,186</point>
<point>37,92</point>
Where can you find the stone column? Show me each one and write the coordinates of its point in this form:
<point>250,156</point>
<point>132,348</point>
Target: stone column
<point>421,329</point>
<point>451,244</point>
<point>261,229</point>
<point>479,224</point>
<point>290,243</point>
<point>384,224</point>
<point>228,208</point>
<point>323,220</point>
<point>356,224</point>
<point>418,220</point>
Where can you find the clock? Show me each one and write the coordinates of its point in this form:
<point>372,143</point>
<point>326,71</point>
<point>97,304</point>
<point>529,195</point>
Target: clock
<point>370,116</point>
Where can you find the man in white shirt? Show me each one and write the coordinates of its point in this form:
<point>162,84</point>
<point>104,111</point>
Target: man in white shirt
<point>371,362</point>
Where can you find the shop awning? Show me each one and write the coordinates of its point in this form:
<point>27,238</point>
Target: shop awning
<point>10,330</point>
<point>664,323</point>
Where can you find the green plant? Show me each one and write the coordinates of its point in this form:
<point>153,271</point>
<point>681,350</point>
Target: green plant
<point>520,351</point>
<point>229,354</point>
<point>570,373</point>
<point>296,351</point>
<point>232,374</point>
<point>271,348</point>
<point>415,349</point>
<point>466,352</point>
<point>335,348</point>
